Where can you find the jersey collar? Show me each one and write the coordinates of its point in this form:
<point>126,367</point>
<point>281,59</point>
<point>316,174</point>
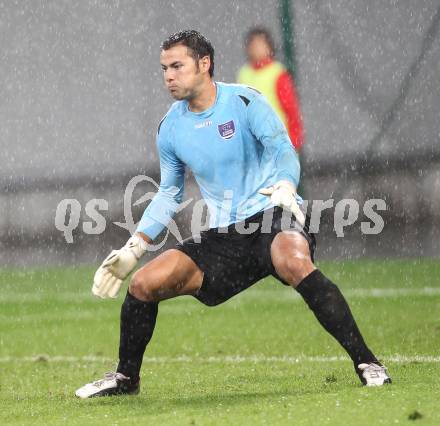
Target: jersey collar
<point>208,112</point>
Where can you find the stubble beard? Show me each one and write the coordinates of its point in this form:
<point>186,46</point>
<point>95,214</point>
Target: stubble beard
<point>187,95</point>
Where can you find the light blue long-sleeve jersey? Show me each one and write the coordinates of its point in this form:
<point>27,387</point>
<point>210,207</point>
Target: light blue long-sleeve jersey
<point>234,148</point>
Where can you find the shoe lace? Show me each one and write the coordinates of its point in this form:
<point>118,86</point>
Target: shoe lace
<point>111,375</point>
<point>374,370</point>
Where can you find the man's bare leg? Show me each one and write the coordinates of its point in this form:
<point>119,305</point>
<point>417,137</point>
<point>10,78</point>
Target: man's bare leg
<point>292,261</point>
<point>169,275</point>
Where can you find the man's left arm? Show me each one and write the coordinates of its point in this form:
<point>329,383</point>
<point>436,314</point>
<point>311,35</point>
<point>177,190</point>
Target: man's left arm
<point>270,131</point>
<point>266,126</point>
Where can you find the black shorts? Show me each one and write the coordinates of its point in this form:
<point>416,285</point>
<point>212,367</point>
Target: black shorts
<point>233,261</point>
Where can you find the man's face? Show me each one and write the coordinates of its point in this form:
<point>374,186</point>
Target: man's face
<point>258,49</point>
<point>181,75</point>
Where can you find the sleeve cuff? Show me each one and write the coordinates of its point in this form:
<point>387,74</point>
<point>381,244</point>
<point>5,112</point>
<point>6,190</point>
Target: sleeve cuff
<point>150,227</point>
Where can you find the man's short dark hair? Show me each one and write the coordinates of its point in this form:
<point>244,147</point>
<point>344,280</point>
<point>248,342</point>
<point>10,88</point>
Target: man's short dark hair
<point>260,32</point>
<point>199,46</point>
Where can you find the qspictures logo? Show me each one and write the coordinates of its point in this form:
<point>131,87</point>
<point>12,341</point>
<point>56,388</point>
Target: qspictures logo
<point>346,212</point>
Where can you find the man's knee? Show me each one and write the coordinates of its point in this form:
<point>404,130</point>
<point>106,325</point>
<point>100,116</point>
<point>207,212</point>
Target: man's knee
<point>294,269</point>
<point>143,288</point>
<point>291,257</point>
<point>169,275</point>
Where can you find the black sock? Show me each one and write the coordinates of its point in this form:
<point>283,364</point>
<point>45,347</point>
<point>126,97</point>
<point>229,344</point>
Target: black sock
<point>332,311</point>
<point>137,324</point>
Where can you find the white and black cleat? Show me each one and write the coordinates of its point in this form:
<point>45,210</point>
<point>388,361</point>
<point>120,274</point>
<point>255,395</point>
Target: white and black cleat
<point>373,374</point>
<point>111,384</point>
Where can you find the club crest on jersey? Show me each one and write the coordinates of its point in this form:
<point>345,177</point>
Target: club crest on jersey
<point>227,130</point>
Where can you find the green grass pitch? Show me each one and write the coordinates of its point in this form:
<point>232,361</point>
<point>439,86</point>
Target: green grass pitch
<point>260,358</point>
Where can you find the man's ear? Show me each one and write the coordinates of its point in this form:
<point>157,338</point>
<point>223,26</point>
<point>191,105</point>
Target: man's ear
<point>204,63</point>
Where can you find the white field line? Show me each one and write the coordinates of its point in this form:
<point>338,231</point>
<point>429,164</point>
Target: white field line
<point>177,306</point>
<point>231,359</point>
<point>75,297</point>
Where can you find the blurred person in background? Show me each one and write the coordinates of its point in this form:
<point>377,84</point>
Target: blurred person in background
<point>272,79</point>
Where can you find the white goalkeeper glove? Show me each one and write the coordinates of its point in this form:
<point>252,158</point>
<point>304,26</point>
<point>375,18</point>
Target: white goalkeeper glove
<point>116,267</point>
<point>283,194</point>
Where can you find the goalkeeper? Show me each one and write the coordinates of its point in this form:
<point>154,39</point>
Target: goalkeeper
<point>235,144</point>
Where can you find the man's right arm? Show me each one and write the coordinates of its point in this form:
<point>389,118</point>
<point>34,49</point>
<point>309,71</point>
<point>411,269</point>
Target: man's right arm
<point>165,203</point>
<point>118,265</point>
